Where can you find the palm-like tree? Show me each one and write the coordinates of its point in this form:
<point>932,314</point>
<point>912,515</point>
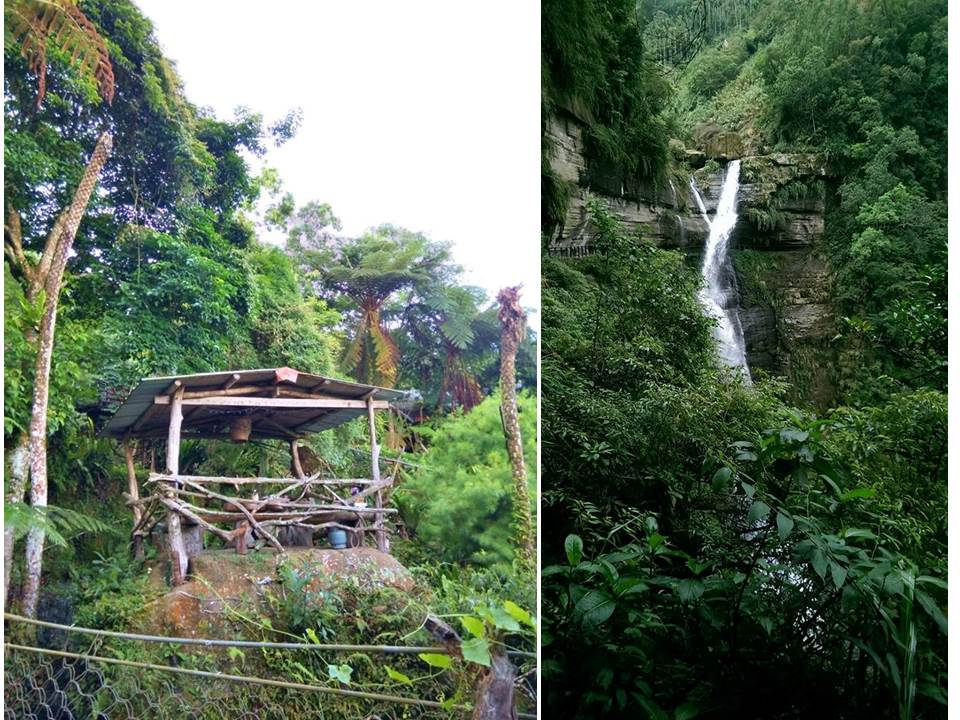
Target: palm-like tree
<point>35,26</point>
<point>370,271</point>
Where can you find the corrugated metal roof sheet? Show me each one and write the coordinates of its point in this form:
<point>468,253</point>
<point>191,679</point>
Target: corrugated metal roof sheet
<point>139,416</point>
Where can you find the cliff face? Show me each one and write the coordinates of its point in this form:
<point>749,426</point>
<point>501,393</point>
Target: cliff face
<point>783,273</point>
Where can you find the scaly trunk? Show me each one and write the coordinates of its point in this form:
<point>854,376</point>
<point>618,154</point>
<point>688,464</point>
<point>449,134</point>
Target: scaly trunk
<point>60,248</point>
<point>512,320</point>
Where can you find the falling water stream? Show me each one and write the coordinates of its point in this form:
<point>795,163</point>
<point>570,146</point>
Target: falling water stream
<point>719,295</point>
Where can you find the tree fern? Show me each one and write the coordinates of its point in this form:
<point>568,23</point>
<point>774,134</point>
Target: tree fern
<point>32,24</point>
<point>59,524</point>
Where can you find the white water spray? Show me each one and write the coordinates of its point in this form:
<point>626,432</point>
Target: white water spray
<point>719,293</point>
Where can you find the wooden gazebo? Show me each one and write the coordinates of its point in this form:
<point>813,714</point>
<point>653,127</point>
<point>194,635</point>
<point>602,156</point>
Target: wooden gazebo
<point>277,404</point>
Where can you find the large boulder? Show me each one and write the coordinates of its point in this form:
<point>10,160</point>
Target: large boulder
<point>222,579</point>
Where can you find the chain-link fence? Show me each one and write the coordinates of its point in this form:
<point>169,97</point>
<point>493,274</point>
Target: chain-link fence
<point>98,680</point>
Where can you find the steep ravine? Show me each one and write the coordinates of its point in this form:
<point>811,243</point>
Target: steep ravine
<point>776,245</point>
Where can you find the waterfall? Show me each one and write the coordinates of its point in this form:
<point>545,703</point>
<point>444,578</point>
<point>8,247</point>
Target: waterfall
<point>719,295</point>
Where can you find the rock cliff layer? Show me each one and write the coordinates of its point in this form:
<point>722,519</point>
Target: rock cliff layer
<point>783,273</point>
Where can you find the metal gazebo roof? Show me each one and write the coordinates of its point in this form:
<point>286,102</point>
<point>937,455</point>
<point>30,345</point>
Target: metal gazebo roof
<point>146,411</point>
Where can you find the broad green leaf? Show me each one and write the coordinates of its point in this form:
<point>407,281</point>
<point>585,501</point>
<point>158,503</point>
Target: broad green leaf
<point>857,493</point>
<point>748,489</point>
<point>398,676</point>
<point>757,512</point>
<point>476,650</point>
<point>689,590</point>
<point>627,585</point>
<point>595,608</point>
<point>935,581</point>
<point>791,435</point>
<point>687,711</point>
<point>784,525</point>
<point>655,541</point>
<point>436,660</point>
<point>767,624</point>
<point>312,636</point>
<point>518,613</point>
<point>932,609</point>
<point>721,479</point>
<point>819,562</point>
<point>340,672</point>
<point>574,547</point>
<point>473,625</point>
<point>504,620</point>
<point>839,574</point>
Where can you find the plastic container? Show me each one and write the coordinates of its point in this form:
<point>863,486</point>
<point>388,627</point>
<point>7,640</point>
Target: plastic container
<point>337,538</point>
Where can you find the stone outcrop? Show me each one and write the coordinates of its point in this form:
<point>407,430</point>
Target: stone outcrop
<point>785,306</point>
<point>222,579</point>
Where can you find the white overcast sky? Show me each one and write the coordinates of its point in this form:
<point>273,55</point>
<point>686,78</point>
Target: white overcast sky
<point>424,115</point>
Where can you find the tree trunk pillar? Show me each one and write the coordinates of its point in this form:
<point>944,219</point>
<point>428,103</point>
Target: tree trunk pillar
<point>381,533</point>
<point>134,490</point>
<point>178,551</point>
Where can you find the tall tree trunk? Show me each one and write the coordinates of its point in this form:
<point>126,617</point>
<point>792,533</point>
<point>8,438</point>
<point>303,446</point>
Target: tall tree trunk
<point>16,489</point>
<point>52,283</point>
<point>512,323</point>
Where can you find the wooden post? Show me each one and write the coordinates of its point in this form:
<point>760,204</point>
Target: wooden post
<point>178,551</point>
<point>295,454</point>
<point>134,490</point>
<point>375,454</point>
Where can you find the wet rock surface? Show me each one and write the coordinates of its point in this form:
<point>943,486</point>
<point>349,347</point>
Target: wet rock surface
<point>780,206</point>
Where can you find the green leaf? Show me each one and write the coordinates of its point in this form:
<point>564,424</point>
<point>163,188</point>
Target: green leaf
<point>839,574</point>
<point>398,676</point>
<point>518,613</point>
<point>758,511</point>
<point>791,435</point>
<point>748,489</point>
<point>340,672</point>
<point>476,650</point>
<point>436,660</point>
<point>503,620</point>
<point>857,493</point>
<point>689,590</point>
<point>687,711</point>
<point>721,479</point>
<point>574,547</point>
<point>767,624</point>
<point>932,609</point>
<point>595,608</point>
<point>784,525</point>
<point>473,625</point>
<point>236,654</point>
<point>312,636</point>
<point>819,562</point>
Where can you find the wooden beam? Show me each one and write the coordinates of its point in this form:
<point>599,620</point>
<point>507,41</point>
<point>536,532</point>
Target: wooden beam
<point>319,402</point>
<point>313,480</point>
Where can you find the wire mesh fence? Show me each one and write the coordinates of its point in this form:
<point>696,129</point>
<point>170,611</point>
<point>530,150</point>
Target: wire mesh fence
<point>107,678</point>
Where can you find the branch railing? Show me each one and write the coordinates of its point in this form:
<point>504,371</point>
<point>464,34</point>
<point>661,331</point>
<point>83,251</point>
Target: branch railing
<point>310,503</point>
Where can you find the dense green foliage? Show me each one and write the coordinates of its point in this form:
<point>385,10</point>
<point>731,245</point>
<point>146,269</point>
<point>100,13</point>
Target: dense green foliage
<point>168,277</point>
<point>458,505</point>
<point>711,551</point>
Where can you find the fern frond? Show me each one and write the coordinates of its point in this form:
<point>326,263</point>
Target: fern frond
<point>31,24</point>
<point>56,522</point>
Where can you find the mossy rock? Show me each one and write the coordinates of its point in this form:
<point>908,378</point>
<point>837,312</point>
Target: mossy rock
<point>222,582</point>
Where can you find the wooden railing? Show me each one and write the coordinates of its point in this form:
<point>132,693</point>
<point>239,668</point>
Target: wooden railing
<point>310,503</point>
